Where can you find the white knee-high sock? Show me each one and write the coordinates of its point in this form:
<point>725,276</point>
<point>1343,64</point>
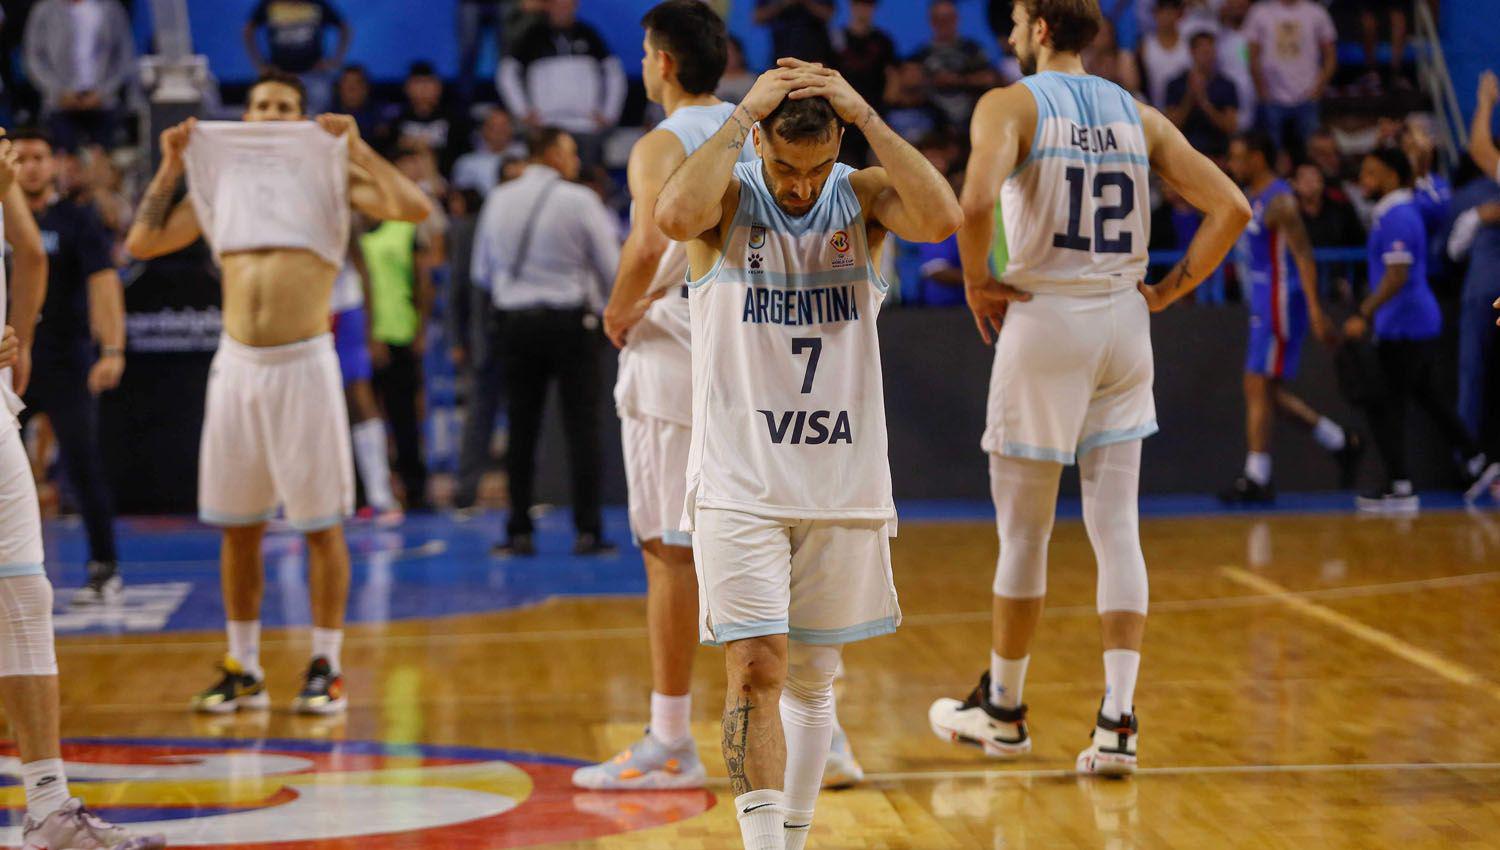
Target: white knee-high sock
<point>244,644</point>
<point>807,721</point>
<point>374,468</point>
<point>1120,669</point>
<point>761,818</point>
<point>46,787</point>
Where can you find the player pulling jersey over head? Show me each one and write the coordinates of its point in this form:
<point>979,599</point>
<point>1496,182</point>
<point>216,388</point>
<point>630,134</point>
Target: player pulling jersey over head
<point>789,494</point>
<point>1068,157</point>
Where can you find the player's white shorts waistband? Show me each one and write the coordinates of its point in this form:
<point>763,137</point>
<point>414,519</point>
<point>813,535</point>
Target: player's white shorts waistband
<point>270,355</point>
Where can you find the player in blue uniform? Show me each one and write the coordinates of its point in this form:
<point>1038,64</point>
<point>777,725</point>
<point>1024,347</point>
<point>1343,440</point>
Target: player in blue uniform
<point>1283,304</point>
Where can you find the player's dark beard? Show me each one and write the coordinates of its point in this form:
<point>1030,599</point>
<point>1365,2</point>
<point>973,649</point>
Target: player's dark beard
<point>1027,63</point>
<point>781,200</point>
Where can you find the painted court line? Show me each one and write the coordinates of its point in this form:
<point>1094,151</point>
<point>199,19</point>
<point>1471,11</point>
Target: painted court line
<point>1179,770</point>
<point>1426,659</point>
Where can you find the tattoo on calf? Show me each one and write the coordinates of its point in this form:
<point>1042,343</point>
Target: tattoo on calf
<point>736,741</point>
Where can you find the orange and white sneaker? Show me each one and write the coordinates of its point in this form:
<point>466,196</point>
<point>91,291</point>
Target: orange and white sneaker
<point>1111,750</point>
<point>646,765</point>
<point>322,690</point>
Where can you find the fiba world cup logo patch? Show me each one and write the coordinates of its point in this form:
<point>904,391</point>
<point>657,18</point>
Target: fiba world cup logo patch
<point>840,243</point>
<point>758,236</point>
<point>297,795</point>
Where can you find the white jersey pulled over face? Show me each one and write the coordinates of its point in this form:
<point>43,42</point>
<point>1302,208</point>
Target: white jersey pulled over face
<point>1077,212</point>
<point>270,184</point>
<point>788,405</point>
<point>656,372</point>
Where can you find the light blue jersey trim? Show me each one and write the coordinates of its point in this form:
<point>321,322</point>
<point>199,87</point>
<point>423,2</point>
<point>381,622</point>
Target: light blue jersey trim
<point>1058,95</point>
<point>677,538</point>
<point>793,280</point>
<point>17,570</point>
<point>231,521</point>
<point>1027,452</point>
<point>848,634</point>
<point>1120,435</point>
<point>1091,157</point>
<point>730,632</point>
<point>317,523</point>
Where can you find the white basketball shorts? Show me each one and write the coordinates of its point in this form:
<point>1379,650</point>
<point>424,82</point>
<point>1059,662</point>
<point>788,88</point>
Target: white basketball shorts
<point>656,459</point>
<point>1071,372</point>
<point>817,581</point>
<point>276,433</point>
<point>20,521</point>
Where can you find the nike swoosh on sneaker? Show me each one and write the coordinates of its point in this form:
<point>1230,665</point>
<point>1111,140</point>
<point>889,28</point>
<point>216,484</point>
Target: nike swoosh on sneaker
<point>753,808</point>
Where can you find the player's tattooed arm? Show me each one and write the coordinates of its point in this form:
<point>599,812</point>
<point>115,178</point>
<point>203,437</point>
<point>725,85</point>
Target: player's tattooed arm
<point>736,743</point>
<point>1209,190</point>
<point>693,200</point>
<point>162,224</point>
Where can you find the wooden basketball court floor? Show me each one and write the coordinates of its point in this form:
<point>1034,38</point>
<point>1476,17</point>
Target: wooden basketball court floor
<point>1310,680</point>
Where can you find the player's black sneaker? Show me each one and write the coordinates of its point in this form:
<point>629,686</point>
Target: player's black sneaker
<point>1111,750</point>
<point>1348,458</point>
<point>322,690</point>
<point>104,586</point>
<point>235,690</point>
<point>1388,501</point>
<point>1244,492</point>
<point>1000,732</point>
<point>518,546</point>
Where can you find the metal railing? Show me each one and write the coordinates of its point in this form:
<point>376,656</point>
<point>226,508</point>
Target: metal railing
<point>1433,75</point>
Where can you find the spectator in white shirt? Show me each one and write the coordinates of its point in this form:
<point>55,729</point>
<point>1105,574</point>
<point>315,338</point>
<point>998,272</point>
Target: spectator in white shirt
<point>480,169</point>
<point>1234,56</point>
<point>1164,53</point>
<point>1292,58</point>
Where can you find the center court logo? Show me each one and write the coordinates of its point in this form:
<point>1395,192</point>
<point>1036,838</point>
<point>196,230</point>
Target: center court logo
<point>299,795</point>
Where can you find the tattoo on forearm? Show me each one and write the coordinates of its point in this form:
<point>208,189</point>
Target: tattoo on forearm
<point>736,741</point>
<point>154,209</point>
<point>1180,275</point>
<point>864,122</point>
<point>741,133</point>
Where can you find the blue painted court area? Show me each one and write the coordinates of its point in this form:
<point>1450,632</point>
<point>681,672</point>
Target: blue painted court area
<point>438,565</point>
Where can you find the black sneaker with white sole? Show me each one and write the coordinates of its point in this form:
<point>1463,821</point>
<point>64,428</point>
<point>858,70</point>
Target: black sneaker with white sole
<point>1000,732</point>
<point>104,586</point>
<point>1388,500</point>
<point>1246,493</point>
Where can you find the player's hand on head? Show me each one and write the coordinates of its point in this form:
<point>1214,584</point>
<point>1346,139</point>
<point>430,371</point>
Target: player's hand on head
<point>770,89</point>
<point>10,347</point>
<point>818,81</point>
<point>339,125</point>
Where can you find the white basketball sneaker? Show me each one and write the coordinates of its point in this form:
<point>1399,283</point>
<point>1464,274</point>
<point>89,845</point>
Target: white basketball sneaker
<point>74,827</point>
<point>843,769</point>
<point>1111,750</point>
<point>1000,732</point>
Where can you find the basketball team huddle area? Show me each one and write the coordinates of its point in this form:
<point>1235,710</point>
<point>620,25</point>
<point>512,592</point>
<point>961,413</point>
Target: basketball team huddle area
<point>866,575</point>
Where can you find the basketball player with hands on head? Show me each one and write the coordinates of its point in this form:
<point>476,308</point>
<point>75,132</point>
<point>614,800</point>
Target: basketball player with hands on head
<point>1069,158</point>
<point>54,820</point>
<point>272,195</point>
<point>647,316</point>
<point>788,488</point>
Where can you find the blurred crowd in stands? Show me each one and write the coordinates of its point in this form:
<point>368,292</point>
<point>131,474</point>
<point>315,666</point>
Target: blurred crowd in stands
<point>1330,81</point>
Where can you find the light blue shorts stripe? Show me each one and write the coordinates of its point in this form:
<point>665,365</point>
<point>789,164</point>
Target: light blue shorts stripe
<point>1022,450</point>
<point>232,521</point>
<point>729,632</point>
<point>1119,435</point>
<point>317,523</point>
<point>16,570</point>
<point>848,634</point>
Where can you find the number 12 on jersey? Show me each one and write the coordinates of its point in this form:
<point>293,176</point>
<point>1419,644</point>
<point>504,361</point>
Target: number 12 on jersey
<point>1103,213</point>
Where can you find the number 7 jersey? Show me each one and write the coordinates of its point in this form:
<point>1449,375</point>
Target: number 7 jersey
<point>1077,211</point>
<point>788,406</point>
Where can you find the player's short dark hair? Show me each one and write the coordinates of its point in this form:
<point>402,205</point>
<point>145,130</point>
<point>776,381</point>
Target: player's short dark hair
<point>1259,141</point>
<point>541,140</point>
<point>806,121</point>
<point>1394,159</point>
<point>1074,23</point>
<point>694,35</point>
<point>280,77</point>
<point>30,134</point>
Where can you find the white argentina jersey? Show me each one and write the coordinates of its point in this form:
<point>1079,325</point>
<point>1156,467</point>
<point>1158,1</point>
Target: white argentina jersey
<point>1077,212</point>
<point>656,373</point>
<point>12,402</point>
<point>788,407</point>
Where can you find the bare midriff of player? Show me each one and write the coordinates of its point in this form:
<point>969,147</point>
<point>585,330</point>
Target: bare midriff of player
<point>277,297</point>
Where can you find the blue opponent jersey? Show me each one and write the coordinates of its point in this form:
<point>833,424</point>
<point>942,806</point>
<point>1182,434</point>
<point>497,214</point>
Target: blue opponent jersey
<point>1399,237</point>
<point>1275,284</point>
